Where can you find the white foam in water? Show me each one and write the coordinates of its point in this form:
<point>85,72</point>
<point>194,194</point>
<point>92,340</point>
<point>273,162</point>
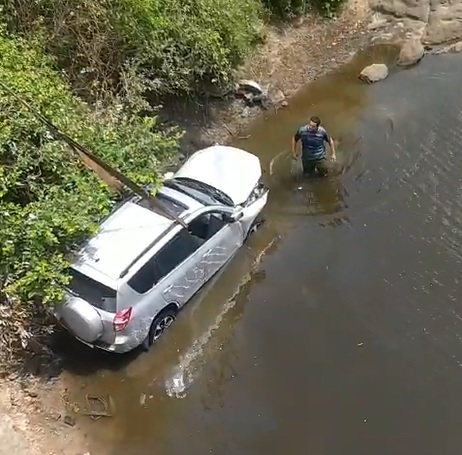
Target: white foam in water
<point>189,366</point>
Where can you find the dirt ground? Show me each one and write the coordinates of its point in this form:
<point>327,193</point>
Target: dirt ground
<point>34,414</point>
<point>36,420</point>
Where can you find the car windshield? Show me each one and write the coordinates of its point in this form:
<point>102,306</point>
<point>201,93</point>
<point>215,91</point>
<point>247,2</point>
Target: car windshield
<point>200,191</point>
<point>93,292</point>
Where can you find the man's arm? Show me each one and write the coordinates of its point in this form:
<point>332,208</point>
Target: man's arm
<point>331,143</point>
<point>332,149</point>
<point>295,139</point>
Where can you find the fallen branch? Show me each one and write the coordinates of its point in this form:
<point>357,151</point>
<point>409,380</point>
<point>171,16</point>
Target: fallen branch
<point>228,129</point>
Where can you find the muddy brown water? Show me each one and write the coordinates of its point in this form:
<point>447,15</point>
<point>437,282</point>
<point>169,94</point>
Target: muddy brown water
<point>337,330</point>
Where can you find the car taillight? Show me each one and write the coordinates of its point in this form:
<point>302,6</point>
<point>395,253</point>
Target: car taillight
<point>121,319</point>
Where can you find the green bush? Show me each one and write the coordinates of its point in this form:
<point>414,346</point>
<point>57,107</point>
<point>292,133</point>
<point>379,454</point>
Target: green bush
<point>179,44</point>
<point>184,43</point>
<point>288,8</point>
<point>49,201</point>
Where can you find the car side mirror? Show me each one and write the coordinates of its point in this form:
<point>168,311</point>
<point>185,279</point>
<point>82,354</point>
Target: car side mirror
<point>233,217</point>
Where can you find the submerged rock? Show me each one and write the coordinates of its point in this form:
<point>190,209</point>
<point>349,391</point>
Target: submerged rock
<point>374,73</point>
<point>411,53</point>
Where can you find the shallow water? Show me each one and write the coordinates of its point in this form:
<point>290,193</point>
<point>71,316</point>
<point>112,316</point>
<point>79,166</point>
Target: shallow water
<point>337,330</point>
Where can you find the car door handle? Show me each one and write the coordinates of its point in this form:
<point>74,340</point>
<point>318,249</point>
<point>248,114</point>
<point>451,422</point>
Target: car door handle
<point>168,288</point>
<point>207,253</point>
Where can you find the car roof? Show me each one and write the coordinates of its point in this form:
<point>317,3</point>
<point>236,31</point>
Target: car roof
<point>121,238</point>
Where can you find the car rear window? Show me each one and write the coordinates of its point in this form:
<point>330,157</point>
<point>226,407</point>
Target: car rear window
<point>95,293</point>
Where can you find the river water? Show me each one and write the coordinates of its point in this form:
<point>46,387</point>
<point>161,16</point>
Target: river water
<point>337,330</point>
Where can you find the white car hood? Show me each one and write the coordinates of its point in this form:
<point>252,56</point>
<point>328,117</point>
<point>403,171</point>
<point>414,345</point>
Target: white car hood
<point>229,169</point>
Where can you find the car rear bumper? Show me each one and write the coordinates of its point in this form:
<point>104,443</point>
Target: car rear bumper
<point>122,343</point>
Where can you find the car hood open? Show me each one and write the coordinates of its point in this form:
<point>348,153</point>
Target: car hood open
<point>233,171</point>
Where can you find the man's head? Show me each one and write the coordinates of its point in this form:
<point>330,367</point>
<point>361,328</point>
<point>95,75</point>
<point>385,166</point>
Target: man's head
<point>314,123</point>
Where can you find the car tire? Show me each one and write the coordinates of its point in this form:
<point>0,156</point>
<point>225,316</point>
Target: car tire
<point>160,324</point>
<point>256,225</point>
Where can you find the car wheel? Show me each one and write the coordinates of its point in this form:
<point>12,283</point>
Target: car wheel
<point>160,324</point>
<point>256,225</point>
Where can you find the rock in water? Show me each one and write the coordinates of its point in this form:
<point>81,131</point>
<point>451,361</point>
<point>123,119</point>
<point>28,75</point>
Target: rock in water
<point>411,53</point>
<point>374,73</point>
<point>457,47</point>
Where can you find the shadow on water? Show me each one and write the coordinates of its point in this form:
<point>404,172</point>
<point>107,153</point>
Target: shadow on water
<point>337,328</point>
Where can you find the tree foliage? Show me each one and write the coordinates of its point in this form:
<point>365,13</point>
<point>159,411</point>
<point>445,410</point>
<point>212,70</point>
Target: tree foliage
<point>289,8</point>
<point>49,202</point>
<point>180,45</point>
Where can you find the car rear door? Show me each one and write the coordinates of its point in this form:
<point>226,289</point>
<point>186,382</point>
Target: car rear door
<point>171,275</point>
<point>179,269</point>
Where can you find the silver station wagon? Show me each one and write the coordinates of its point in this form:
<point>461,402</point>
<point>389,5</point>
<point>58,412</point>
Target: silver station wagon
<point>132,277</point>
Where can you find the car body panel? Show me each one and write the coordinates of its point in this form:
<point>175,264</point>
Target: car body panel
<point>251,211</point>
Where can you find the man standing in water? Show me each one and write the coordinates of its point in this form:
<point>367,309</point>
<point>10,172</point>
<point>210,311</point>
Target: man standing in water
<point>314,138</point>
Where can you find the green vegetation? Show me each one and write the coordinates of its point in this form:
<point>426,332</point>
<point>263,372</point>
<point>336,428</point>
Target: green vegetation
<point>180,45</point>
<point>289,8</point>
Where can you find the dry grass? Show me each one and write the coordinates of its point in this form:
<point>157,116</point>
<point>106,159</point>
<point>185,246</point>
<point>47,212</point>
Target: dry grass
<point>23,333</point>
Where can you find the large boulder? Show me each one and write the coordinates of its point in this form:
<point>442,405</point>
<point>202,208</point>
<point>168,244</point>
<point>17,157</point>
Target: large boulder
<point>444,22</point>
<point>412,9</point>
<point>436,22</point>
<point>374,73</point>
<point>411,53</point>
